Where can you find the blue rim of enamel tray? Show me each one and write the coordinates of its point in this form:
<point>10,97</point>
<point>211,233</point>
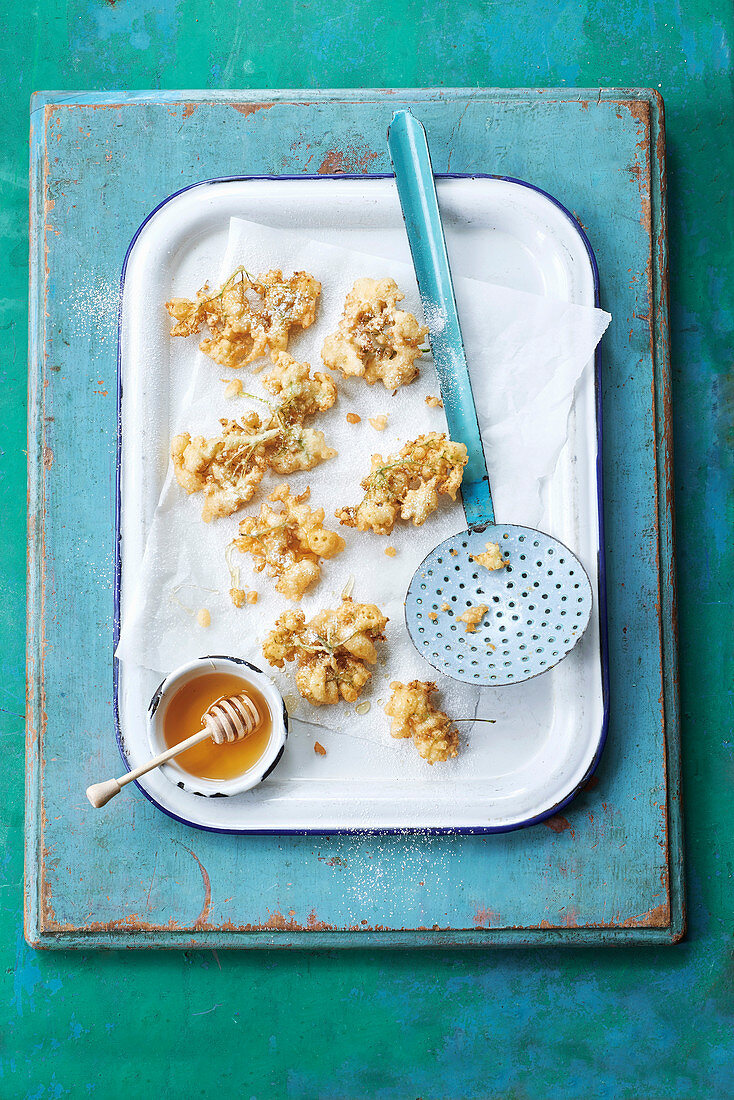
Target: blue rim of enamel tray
<point>601,565</point>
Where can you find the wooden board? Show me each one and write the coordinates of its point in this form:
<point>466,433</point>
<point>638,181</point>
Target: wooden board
<point>610,869</point>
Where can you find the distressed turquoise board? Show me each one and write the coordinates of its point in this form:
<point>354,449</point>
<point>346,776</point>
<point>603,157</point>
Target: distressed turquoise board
<point>610,869</point>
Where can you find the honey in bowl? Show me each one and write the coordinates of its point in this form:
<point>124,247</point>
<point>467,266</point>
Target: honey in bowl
<point>183,717</point>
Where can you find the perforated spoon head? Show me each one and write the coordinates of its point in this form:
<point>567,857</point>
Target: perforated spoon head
<point>231,718</point>
<point>538,605</point>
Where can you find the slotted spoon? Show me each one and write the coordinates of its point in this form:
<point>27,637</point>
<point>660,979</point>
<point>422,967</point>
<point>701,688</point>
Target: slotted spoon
<point>538,605</point>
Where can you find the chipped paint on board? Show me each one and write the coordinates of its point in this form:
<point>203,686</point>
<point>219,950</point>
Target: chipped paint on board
<point>247,109</point>
<point>350,159</point>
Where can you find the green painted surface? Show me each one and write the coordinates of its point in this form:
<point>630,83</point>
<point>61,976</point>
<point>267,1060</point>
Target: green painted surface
<point>552,1023</point>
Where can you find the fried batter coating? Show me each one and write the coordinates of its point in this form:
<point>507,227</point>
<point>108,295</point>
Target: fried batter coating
<point>492,557</point>
<point>249,316</point>
<point>472,617</point>
<point>290,543</point>
<point>413,715</point>
<point>375,340</point>
<point>332,649</point>
<point>407,484</point>
<point>301,393</point>
<point>229,467</point>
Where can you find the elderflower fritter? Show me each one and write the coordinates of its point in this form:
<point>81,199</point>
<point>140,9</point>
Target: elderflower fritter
<point>374,339</point>
<point>472,617</point>
<point>249,316</point>
<point>413,715</point>
<point>289,543</point>
<point>407,484</point>
<point>332,650</point>
<point>229,467</point>
<point>491,558</point>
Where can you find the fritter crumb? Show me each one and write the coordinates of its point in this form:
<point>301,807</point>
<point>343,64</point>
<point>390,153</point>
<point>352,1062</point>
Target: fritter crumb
<point>407,484</point>
<point>375,340</point>
<point>354,418</point>
<point>249,316</point>
<point>228,468</point>
<point>240,596</point>
<point>332,650</point>
<point>203,617</point>
<point>413,715</point>
<point>472,616</point>
<point>233,387</point>
<point>434,402</point>
<point>289,543</point>
<point>379,423</point>
<point>492,557</point>
<point>390,551</point>
<point>319,749</point>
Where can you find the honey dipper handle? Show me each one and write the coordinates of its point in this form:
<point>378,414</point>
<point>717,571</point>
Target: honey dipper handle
<point>99,794</point>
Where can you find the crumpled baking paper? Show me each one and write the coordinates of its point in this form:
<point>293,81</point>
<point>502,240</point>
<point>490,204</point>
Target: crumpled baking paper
<point>526,355</point>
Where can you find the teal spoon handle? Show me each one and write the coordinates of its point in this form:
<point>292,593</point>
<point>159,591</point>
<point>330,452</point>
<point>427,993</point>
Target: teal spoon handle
<point>406,140</point>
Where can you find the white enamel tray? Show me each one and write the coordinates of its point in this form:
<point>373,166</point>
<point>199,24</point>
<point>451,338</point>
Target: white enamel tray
<point>550,731</point>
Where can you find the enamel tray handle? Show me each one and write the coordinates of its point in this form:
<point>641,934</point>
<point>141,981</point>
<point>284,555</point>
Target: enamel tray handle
<point>411,160</point>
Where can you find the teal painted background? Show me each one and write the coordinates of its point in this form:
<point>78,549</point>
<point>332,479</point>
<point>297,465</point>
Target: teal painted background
<point>514,1025</point>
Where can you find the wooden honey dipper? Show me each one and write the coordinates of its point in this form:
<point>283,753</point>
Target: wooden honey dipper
<point>229,719</point>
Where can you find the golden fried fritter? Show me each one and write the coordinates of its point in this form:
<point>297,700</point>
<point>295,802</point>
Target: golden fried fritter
<point>407,484</point>
<point>472,617</point>
<point>375,340</point>
<point>297,387</point>
<point>332,649</point>
<point>229,467</point>
<point>290,543</point>
<point>413,715</point>
<point>491,558</point>
<point>301,394</point>
<point>249,316</point>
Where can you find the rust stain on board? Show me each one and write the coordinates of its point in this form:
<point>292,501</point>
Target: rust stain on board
<point>250,108</point>
<point>189,109</point>
<point>316,925</point>
<point>485,918</point>
<point>203,917</point>
<point>348,160</point>
<point>559,824</point>
<point>35,674</point>
<point>640,111</point>
<point>659,917</point>
<point>335,861</point>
